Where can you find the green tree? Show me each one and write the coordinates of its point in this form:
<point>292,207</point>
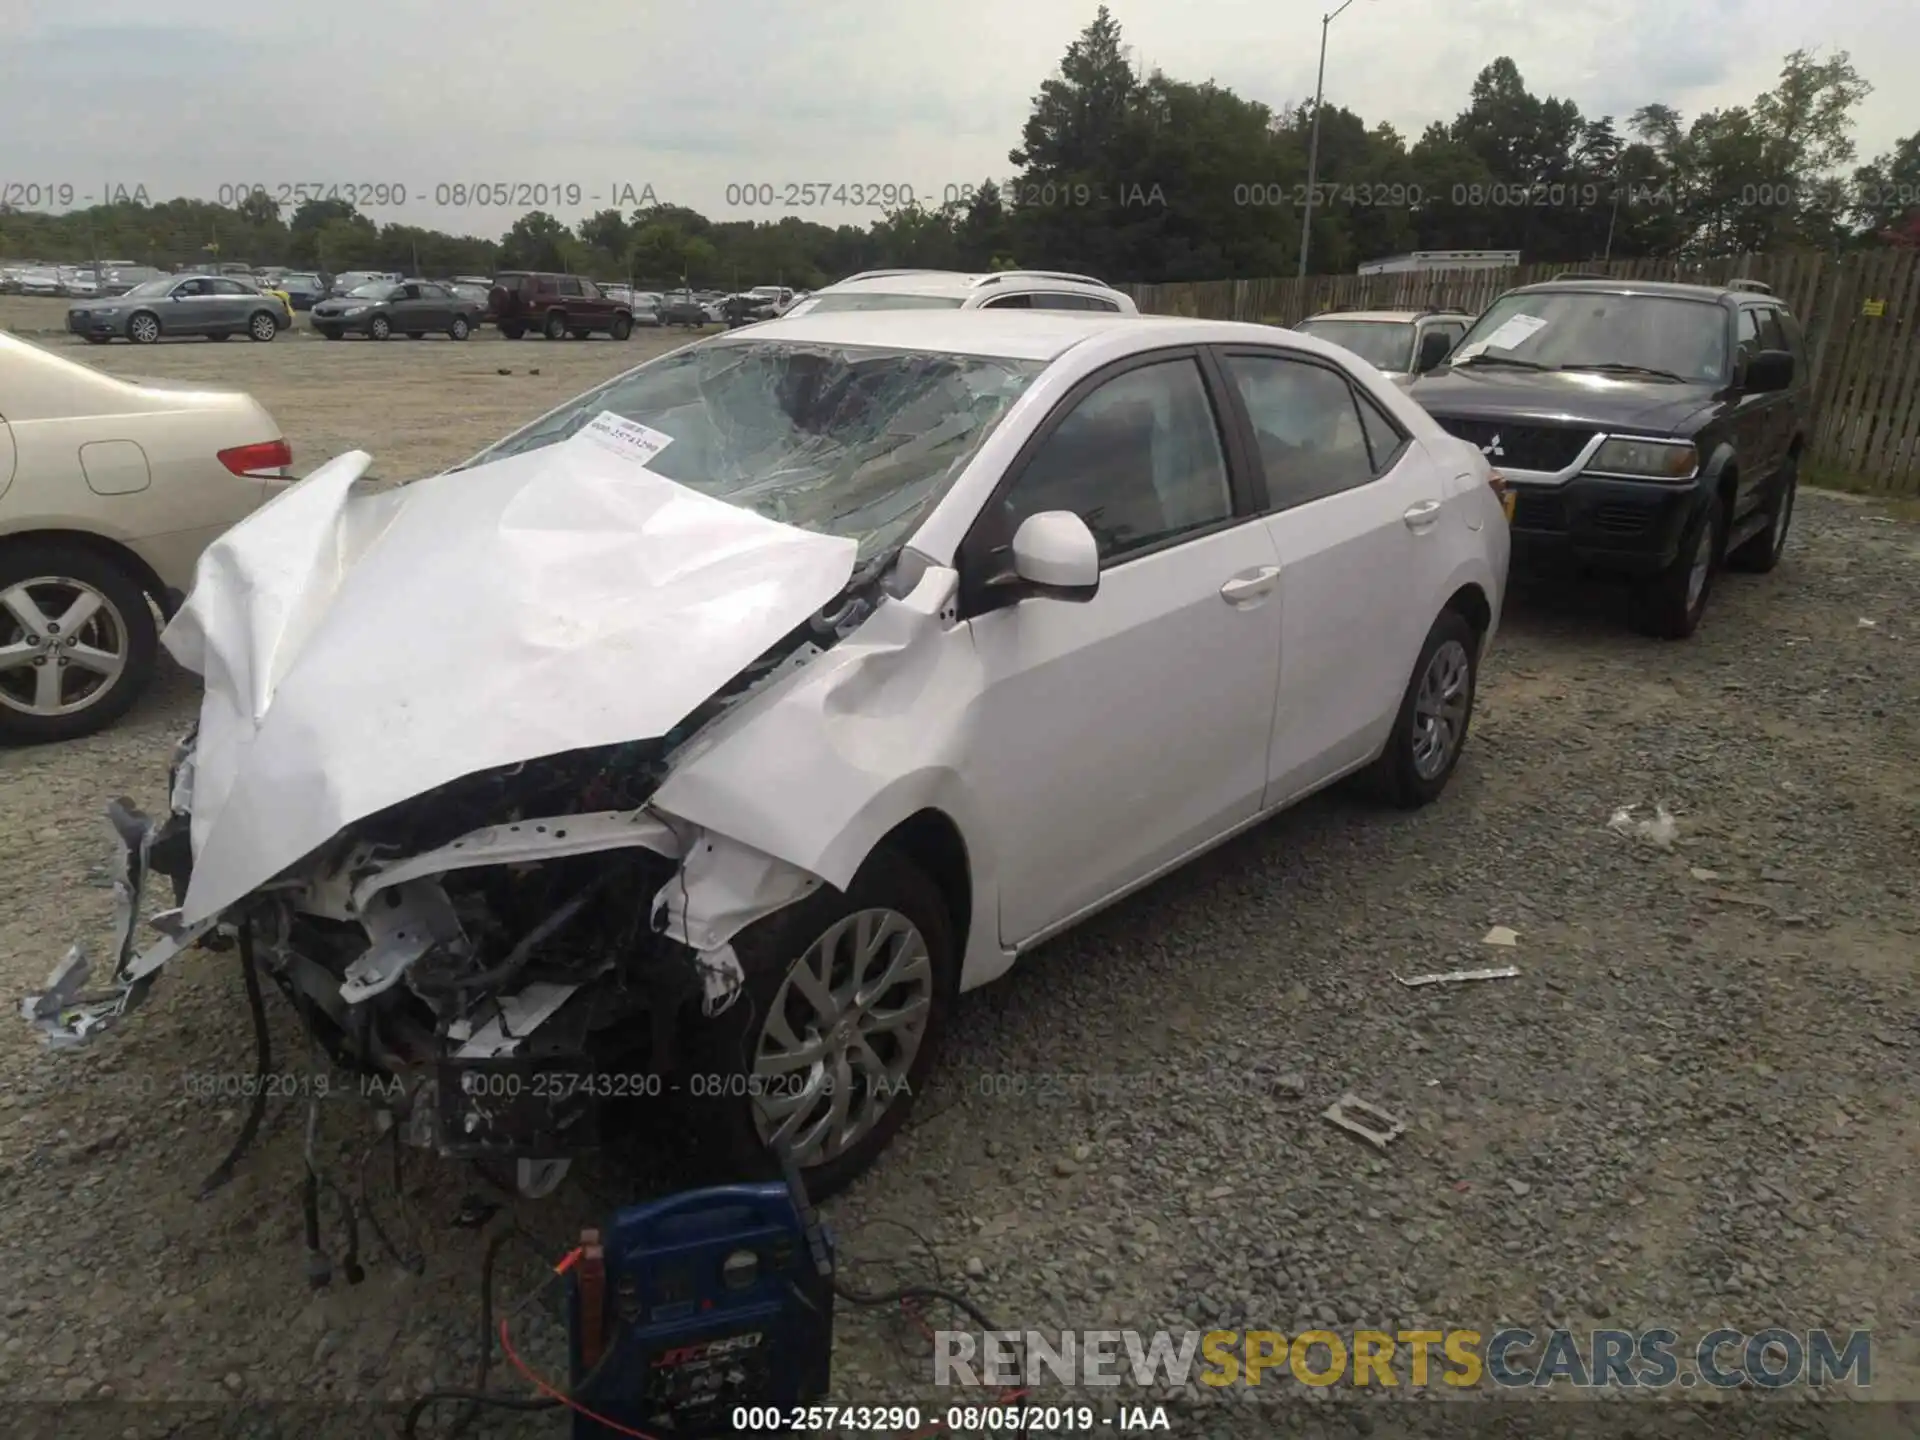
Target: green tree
<point>536,241</point>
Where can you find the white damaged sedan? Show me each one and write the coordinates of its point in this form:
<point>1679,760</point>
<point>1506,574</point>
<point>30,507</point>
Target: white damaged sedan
<point>706,737</point>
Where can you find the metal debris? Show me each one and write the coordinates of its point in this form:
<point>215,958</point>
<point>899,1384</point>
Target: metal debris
<point>1454,977</point>
<point>1343,1113</point>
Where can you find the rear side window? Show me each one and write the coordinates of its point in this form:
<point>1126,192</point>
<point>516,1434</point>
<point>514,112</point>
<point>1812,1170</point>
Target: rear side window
<point>567,285</point>
<point>1307,426</point>
<point>1058,302</point>
<point>1796,339</point>
<point>1384,438</point>
<point>1010,302</point>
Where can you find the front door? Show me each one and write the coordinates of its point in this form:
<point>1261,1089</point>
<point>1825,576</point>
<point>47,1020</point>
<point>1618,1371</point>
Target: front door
<point>1115,736</point>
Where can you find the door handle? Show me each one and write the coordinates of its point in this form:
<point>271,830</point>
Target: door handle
<point>1254,585</point>
<point>1422,515</point>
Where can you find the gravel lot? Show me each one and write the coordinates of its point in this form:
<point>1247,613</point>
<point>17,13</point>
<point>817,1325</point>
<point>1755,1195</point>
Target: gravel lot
<point>1696,1106</point>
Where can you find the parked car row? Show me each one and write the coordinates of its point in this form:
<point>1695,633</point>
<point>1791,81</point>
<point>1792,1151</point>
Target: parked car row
<point>1646,431</point>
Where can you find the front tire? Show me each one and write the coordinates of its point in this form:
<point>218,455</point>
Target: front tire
<point>1761,553</point>
<point>622,327</point>
<point>379,328</point>
<point>847,997</point>
<point>1671,606</point>
<point>331,332</point>
<point>1430,730</point>
<point>143,328</point>
<point>77,642</point>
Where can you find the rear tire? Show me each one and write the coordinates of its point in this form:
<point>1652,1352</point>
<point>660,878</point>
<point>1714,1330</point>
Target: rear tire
<point>123,624</point>
<point>1672,604</point>
<point>769,952</point>
<point>512,329</point>
<point>460,329</point>
<point>1761,553</point>
<point>1430,731</point>
<point>556,326</point>
<point>263,326</point>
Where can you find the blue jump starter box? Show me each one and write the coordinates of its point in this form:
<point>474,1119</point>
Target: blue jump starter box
<point>685,1309</point>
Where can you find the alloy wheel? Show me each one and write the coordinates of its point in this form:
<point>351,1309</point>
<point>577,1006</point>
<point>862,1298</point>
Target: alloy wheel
<point>842,1034</point>
<point>63,645</point>
<point>1440,709</point>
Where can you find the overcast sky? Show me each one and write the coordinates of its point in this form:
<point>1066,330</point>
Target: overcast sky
<point>598,100</point>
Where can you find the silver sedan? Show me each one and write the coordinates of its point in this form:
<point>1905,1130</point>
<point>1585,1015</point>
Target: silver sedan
<point>212,305</point>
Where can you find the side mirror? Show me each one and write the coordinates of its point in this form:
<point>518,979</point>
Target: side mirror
<point>1055,555</point>
<point>1434,347</point>
<point>1768,371</point>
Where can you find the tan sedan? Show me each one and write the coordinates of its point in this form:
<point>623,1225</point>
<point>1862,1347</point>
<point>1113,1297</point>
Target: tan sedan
<point>109,491</point>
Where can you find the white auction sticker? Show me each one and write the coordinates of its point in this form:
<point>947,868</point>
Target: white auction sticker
<point>626,437</point>
<point>1510,336</point>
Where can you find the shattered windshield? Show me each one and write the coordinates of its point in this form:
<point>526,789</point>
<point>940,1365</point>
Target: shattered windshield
<point>844,440</point>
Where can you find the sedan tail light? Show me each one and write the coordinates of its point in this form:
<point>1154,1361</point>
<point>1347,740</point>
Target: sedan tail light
<point>252,459</point>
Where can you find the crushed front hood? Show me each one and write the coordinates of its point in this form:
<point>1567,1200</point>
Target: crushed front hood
<point>362,649</point>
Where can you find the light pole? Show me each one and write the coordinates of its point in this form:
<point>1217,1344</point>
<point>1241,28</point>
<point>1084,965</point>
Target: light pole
<point>1313,145</point>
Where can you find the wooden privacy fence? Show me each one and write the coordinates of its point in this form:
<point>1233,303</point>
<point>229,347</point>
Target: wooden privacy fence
<point>1861,312</point>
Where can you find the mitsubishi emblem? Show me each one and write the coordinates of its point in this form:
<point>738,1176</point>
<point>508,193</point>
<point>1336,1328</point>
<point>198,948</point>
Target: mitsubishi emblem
<point>1492,447</point>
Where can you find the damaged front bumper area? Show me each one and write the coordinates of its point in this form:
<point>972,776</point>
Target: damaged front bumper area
<point>491,986</point>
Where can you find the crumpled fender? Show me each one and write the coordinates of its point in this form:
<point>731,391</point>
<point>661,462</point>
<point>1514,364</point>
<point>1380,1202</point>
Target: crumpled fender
<point>818,768</point>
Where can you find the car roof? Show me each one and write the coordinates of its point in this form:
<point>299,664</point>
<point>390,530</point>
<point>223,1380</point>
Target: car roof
<point>1042,335</point>
<point>1678,290</point>
<point>1396,316</point>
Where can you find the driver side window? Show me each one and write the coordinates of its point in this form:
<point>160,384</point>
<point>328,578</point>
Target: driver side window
<point>1139,459</point>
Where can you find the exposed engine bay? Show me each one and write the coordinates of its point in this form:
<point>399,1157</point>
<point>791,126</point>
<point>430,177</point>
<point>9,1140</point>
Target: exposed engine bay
<point>498,959</point>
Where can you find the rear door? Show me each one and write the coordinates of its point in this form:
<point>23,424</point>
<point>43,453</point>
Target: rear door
<point>234,303</point>
<point>1783,411</point>
<point>1359,518</point>
<point>1754,417</point>
<point>592,308</point>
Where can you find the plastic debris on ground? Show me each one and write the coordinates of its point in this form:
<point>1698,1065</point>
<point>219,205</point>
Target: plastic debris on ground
<point>1455,977</point>
<point>1372,1124</point>
<point>1659,830</point>
<point>1501,935</point>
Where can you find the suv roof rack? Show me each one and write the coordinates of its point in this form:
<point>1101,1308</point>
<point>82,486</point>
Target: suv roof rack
<point>1067,275</point>
<point>1757,285</point>
<point>1580,275</point>
<point>888,274</point>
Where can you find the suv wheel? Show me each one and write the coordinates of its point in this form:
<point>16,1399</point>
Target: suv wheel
<point>512,329</point>
<point>556,326</point>
<point>1670,608</point>
<point>77,642</point>
<point>622,326</point>
<point>1762,552</point>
